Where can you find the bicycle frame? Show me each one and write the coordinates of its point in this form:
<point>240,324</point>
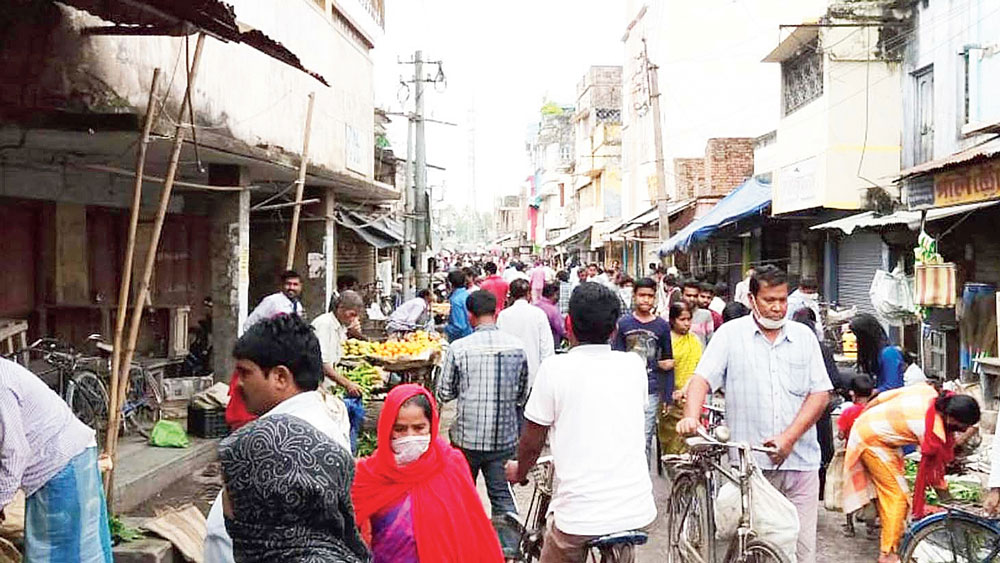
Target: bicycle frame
<point>950,515</point>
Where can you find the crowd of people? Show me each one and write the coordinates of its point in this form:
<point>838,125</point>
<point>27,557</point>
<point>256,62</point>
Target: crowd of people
<point>637,359</point>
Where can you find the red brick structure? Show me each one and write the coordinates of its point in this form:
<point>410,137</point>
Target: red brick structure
<point>728,163</point>
<point>690,176</point>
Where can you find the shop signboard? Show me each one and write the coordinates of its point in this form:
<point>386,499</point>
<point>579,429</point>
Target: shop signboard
<point>969,184</point>
<point>920,193</point>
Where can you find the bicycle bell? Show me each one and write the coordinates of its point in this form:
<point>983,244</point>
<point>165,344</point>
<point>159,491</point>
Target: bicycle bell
<point>721,433</point>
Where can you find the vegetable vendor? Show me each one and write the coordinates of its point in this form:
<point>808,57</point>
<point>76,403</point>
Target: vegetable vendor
<point>911,416</point>
<point>413,314</point>
<point>331,330</point>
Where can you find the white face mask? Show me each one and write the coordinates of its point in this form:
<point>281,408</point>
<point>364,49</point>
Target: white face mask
<point>766,323</point>
<point>626,293</point>
<point>409,448</point>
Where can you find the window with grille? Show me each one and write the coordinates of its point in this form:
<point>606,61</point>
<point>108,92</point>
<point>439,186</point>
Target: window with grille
<point>802,78</point>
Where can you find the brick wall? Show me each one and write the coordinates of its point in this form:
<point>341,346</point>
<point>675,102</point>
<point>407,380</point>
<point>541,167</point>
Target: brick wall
<point>728,163</point>
<point>690,176</point>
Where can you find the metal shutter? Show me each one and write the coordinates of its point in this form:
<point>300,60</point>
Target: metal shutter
<point>355,256</point>
<point>858,256</point>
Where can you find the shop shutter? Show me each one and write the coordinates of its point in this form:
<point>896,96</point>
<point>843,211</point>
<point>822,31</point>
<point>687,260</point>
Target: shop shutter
<point>987,255</point>
<point>355,256</point>
<point>858,256</point>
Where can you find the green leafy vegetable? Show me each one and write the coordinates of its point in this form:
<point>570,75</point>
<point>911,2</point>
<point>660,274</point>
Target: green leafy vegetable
<point>120,533</point>
<point>367,441</point>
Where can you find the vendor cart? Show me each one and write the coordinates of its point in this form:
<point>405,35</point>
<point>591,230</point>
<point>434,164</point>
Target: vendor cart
<point>420,370</point>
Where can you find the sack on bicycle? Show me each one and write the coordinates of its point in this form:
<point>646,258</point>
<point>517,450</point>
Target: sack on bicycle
<point>833,495</point>
<point>774,516</point>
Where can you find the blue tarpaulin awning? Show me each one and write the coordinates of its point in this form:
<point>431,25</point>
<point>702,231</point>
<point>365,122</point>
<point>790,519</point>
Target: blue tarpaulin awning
<point>749,198</point>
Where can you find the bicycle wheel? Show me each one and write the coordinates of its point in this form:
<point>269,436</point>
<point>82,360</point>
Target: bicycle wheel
<point>88,399</point>
<point>763,551</point>
<point>689,522</point>
<point>142,404</point>
<point>953,540</point>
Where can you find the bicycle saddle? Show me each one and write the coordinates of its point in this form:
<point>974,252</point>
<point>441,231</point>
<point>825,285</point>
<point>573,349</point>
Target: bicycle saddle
<point>630,537</point>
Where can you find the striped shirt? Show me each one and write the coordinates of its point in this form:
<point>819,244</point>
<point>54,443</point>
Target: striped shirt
<point>487,372</point>
<point>39,435</point>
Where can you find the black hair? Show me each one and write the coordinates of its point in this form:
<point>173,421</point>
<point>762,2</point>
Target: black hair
<point>420,400</point>
<point>562,275</point>
<point>490,268</point>
<point>733,311</point>
<point>284,340</point>
<point>346,281</point>
<point>721,289</point>
<point>456,278</point>
<point>518,289</point>
<point>769,275</point>
<point>424,293</point>
<point>861,385</point>
<point>551,290</point>
<point>809,282</point>
<point>470,273</point>
<point>670,280</point>
<point>804,315</point>
<point>691,282</point>
<point>645,283</point>
<point>594,311</point>
<point>677,308</point>
<point>962,408</point>
<point>289,275</point>
<point>706,287</point>
<point>872,339</point>
<point>481,303</point>
<point>519,266</point>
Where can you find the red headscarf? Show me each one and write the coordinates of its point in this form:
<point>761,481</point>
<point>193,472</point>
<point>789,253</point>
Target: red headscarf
<point>935,455</point>
<point>449,522</point>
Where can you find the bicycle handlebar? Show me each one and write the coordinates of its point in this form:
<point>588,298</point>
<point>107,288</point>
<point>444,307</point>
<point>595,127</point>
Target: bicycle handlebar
<point>709,440</point>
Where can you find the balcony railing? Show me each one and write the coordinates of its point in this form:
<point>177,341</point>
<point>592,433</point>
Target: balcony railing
<point>376,8</point>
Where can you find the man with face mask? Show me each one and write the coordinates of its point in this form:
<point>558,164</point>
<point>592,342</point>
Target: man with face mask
<point>776,389</point>
<point>806,297</point>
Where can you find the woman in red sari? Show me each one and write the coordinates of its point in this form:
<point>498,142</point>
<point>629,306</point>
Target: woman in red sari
<point>414,497</point>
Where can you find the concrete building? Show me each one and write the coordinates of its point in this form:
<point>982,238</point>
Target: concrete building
<point>550,147</point>
<point>76,85</point>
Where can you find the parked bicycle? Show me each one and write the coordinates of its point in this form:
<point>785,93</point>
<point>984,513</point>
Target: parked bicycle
<point>691,513</point>
<point>530,530</point>
<point>960,534</point>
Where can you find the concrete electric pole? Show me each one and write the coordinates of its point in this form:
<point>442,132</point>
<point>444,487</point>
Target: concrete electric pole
<point>409,231</point>
<point>661,172</point>
<point>420,181</point>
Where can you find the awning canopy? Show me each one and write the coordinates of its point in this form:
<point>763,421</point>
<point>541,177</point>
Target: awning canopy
<point>749,198</point>
<point>377,230</point>
<point>571,237</point>
<point>982,151</point>
<point>911,219</point>
<point>647,217</point>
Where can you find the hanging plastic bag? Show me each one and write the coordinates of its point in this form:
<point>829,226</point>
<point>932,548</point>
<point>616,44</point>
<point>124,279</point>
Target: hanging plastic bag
<point>892,297</point>
<point>169,434</point>
<point>833,493</point>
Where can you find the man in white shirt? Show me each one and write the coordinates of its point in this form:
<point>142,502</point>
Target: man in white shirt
<point>279,366</point>
<point>806,296</point>
<point>413,314</point>
<point>529,324</point>
<point>590,404</point>
<point>285,302</point>
<point>742,292</point>
<point>332,330</point>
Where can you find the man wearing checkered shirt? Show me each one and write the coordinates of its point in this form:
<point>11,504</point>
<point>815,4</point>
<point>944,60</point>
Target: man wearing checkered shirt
<point>487,372</point>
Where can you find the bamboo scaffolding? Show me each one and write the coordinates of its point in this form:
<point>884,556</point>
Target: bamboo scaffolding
<point>300,184</point>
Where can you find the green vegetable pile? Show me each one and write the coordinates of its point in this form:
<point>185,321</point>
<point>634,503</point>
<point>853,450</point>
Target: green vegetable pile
<point>960,490</point>
<point>367,441</point>
<point>366,376</point>
<point>120,533</point>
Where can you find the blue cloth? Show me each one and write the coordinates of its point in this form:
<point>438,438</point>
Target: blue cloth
<point>67,519</point>
<point>356,415</point>
<point>652,342</point>
<point>458,320</point>
<point>890,369</point>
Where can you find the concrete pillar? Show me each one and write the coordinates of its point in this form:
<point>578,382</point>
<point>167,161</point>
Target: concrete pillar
<point>72,275</point>
<point>330,243</point>
<point>312,254</point>
<point>230,244</point>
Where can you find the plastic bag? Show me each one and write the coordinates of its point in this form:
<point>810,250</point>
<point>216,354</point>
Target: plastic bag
<point>833,494</point>
<point>774,516</point>
<point>169,434</point>
<point>892,296</point>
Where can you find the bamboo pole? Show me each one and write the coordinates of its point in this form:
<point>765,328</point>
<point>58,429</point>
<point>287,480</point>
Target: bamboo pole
<point>300,185</point>
<point>123,292</point>
<point>147,274</point>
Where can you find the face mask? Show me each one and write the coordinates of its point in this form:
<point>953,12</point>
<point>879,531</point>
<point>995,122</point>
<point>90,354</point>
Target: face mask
<point>766,323</point>
<point>409,448</point>
<point>626,293</point>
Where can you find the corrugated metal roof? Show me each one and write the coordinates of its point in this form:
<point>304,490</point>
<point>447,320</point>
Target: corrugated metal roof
<point>985,150</point>
<point>911,219</point>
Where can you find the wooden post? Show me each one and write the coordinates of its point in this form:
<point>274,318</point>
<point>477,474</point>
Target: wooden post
<point>123,292</point>
<point>147,274</point>
<point>300,185</point>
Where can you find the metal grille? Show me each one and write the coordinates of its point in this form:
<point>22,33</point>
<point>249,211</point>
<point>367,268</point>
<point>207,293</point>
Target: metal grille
<point>608,115</point>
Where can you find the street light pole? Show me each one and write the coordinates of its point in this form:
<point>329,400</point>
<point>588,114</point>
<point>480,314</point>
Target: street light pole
<point>420,181</point>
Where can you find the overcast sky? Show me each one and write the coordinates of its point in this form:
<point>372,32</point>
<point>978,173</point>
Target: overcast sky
<point>501,59</point>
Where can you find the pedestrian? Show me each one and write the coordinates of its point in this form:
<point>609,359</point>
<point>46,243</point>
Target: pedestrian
<point>528,324</point>
<point>879,359</point>
<point>648,336</point>
<point>721,298</point>
<point>806,296</point>
<point>625,287</point>
<point>565,291</point>
<point>537,278</point>
<point>331,330</point>
<point>686,348</point>
<point>776,389</point>
<point>284,302</point>
<point>303,511</point>
<point>471,278</point>
<point>742,292</point>
<point>706,293</point>
<point>458,318</point>
<point>414,314</point>
<point>669,292</point>
<point>49,454</point>
<point>702,323</point>
<point>487,372</point>
<point>550,304</point>
<point>408,492</point>
<point>495,284</point>
<point>918,416</point>
<point>733,311</point>
<point>588,404</point>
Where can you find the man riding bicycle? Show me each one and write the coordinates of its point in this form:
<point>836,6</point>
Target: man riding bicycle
<point>592,401</point>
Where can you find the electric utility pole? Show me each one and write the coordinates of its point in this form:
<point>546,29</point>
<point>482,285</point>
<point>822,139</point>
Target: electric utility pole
<point>408,208</point>
<point>420,181</point>
<point>661,173</point>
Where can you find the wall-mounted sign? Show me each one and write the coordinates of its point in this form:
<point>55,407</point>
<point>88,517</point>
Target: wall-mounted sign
<point>968,184</point>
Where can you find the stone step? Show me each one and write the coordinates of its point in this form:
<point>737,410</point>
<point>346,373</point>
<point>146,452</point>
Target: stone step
<point>144,470</point>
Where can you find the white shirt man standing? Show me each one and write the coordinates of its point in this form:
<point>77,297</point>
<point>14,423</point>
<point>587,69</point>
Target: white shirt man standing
<point>590,404</point>
<point>742,292</point>
<point>776,389</point>
<point>529,324</point>
<point>285,302</point>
